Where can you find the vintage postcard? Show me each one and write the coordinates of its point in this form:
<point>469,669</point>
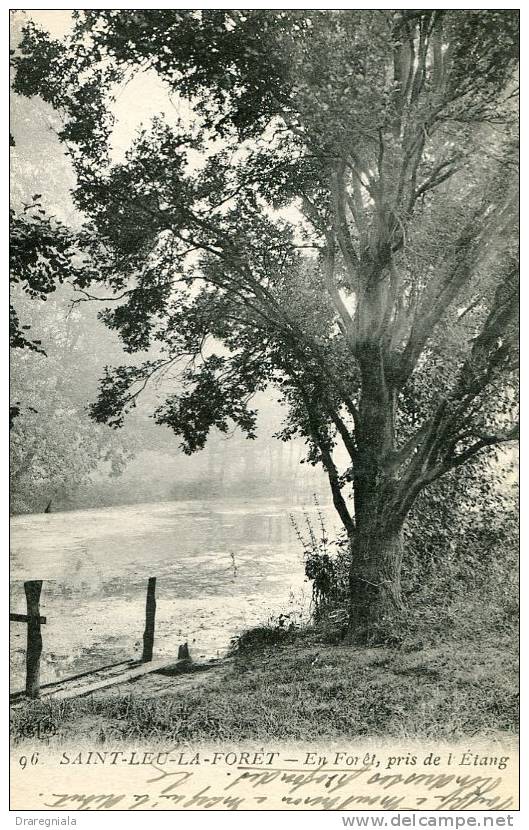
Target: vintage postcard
<point>264,331</point>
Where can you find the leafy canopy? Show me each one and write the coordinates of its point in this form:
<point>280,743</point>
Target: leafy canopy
<point>335,217</point>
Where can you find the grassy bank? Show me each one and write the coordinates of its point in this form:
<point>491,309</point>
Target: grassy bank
<point>294,686</point>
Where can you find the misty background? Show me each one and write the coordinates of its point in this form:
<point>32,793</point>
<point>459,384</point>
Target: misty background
<point>58,454</point>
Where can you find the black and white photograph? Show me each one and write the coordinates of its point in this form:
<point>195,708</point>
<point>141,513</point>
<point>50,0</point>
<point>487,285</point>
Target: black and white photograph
<point>264,410</point>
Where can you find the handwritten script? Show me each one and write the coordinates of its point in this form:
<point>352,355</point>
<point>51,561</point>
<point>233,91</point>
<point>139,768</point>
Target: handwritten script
<point>165,781</point>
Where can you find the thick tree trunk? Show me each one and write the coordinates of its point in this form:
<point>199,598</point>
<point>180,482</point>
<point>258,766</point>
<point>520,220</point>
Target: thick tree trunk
<point>377,545</point>
<point>376,606</point>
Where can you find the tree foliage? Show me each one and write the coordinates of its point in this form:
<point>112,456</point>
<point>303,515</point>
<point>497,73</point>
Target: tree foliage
<point>55,446</point>
<point>337,218</point>
<point>40,257</point>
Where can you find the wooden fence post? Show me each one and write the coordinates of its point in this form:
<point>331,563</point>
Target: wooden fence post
<point>34,642</point>
<point>150,613</point>
<point>183,652</point>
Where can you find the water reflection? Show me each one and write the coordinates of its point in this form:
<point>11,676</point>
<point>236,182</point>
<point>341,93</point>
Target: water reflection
<point>221,567</point>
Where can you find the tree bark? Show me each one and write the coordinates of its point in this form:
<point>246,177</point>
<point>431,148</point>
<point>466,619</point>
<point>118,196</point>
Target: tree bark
<point>376,606</point>
<point>377,543</point>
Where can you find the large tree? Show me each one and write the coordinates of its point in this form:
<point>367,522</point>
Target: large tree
<point>334,215</point>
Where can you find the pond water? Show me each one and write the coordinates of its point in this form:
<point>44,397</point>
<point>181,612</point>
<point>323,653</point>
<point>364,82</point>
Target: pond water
<point>221,567</point>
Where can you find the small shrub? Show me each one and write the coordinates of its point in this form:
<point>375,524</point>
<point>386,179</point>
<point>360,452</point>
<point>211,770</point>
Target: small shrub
<point>278,631</point>
<point>326,566</point>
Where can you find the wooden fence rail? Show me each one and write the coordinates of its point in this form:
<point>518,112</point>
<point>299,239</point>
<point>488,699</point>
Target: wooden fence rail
<point>34,620</point>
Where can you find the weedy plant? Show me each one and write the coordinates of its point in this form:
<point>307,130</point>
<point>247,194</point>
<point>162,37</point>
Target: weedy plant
<point>326,563</point>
